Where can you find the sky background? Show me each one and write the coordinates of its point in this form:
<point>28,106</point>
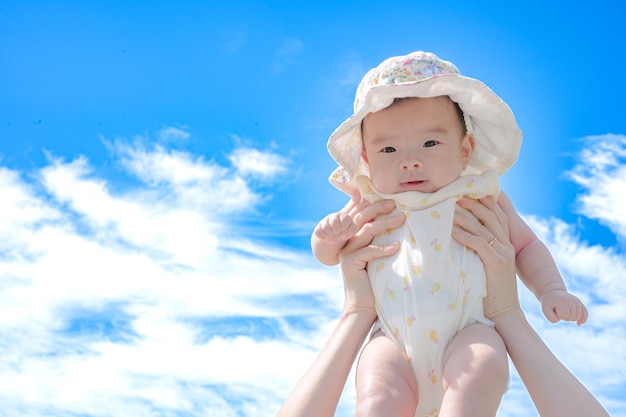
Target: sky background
<point>162,165</point>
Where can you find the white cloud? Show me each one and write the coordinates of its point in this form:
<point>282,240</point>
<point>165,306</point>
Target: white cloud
<point>594,352</point>
<point>258,164</point>
<point>142,299</point>
<point>601,171</point>
<point>106,288</point>
<point>161,166</point>
<point>594,273</point>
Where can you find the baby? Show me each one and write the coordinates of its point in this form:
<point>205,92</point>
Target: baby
<point>424,135</point>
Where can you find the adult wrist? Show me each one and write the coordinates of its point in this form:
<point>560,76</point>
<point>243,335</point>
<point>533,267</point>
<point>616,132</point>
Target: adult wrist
<point>505,319</point>
<point>366,314</point>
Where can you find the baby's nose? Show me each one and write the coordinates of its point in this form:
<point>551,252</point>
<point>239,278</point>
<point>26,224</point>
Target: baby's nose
<point>411,162</point>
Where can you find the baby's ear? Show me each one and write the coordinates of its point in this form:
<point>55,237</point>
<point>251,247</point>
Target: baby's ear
<point>467,147</point>
<point>364,155</point>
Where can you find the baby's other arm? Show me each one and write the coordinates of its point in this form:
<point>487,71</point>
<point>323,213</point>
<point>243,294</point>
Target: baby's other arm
<point>538,270</point>
<point>331,234</point>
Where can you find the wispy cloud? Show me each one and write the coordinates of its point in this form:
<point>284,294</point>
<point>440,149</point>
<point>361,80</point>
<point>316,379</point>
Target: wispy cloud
<point>236,41</point>
<point>144,299</point>
<point>349,71</point>
<point>338,87</point>
<point>286,55</point>
<point>173,134</point>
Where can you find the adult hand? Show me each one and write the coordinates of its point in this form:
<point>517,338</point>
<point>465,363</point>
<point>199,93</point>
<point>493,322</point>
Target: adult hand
<point>483,227</point>
<point>359,251</point>
<point>318,392</point>
<point>560,395</point>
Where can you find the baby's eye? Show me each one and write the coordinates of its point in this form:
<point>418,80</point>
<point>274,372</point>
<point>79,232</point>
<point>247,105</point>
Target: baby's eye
<point>388,149</point>
<point>430,143</point>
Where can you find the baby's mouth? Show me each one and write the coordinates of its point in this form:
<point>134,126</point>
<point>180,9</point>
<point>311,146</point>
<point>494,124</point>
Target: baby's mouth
<point>415,185</point>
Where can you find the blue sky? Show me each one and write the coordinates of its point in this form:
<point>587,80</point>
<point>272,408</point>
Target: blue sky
<point>162,165</point>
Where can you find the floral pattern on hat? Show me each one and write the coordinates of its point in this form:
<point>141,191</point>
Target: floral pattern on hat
<point>399,70</point>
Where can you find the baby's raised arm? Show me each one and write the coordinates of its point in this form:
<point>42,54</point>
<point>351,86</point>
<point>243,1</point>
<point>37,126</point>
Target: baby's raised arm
<point>538,271</point>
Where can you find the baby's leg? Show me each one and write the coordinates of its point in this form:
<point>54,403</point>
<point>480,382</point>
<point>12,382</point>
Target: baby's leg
<point>475,373</point>
<point>385,383</point>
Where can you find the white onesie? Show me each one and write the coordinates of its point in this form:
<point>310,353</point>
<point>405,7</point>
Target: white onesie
<point>433,287</point>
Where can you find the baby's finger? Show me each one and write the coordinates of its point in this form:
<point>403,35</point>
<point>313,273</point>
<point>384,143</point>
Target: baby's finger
<point>583,316</point>
<point>340,223</point>
<point>551,314</point>
<point>580,312</point>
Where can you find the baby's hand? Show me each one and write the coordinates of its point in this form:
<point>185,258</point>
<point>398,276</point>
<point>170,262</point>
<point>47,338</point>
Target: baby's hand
<point>561,305</point>
<point>335,229</point>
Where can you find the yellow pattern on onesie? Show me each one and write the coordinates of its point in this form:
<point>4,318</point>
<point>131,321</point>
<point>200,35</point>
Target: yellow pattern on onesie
<point>433,287</point>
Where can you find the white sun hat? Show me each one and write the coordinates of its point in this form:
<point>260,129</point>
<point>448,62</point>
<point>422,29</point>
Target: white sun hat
<point>423,74</point>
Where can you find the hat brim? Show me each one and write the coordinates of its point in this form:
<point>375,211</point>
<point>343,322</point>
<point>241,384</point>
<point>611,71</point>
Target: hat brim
<point>496,134</point>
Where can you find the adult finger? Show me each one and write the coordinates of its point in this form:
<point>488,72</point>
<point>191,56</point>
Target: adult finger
<point>373,228</point>
<point>358,259</point>
<point>365,212</point>
<point>484,219</point>
<point>495,256</point>
<point>475,228</point>
<point>358,291</point>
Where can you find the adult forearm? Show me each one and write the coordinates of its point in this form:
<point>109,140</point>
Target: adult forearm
<point>317,393</point>
<point>553,389</point>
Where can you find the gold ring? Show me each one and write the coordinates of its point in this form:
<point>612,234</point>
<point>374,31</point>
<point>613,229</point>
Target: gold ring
<point>492,241</point>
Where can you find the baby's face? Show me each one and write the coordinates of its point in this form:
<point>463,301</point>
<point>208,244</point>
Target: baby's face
<point>415,145</point>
